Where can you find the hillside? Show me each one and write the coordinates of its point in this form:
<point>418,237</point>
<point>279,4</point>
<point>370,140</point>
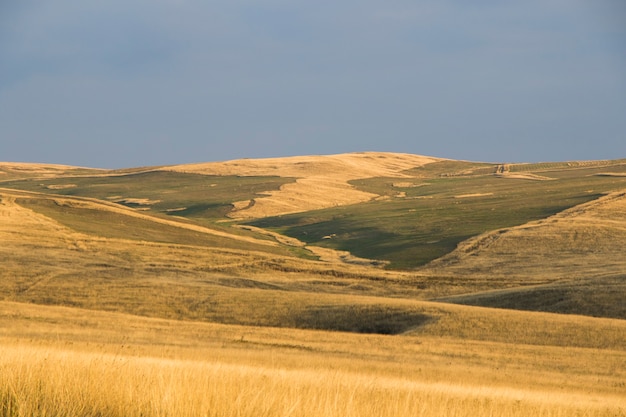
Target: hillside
<point>321,181</point>
<point>362,284</point>
<point>578,252</point>
<point>587,240</point>
<point>546,237</point>
<point>433,208</point>
<point>83,253</point>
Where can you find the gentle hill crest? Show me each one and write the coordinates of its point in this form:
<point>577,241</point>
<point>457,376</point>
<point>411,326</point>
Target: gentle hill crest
<point>321,180</point>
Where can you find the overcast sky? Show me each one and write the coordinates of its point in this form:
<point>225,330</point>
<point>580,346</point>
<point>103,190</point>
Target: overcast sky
<point>146,82</point>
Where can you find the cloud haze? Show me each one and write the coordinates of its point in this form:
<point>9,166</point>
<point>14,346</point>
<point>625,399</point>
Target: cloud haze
<point>115,84</point>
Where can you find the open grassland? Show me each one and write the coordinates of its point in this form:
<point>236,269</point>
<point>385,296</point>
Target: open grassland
<point>59,361</point>
<point>184,195</point>
<point>574,259</point>
<point>427,215</point>
<point>197,282</point>
<point>108,221</point>
<point>553,166</point>
<point>411,209</point>
<point>321,180</point>
<point>88,246</point>
<point>46,262</point>
<point>586,239</point>
<point>194,275</point>
<point>134,293</point>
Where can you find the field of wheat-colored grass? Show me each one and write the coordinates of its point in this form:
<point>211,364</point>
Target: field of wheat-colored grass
<point>130,293</point>
<point>50,382</point>
<point>59,361</point>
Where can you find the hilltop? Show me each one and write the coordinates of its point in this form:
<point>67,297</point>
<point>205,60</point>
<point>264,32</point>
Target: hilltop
<point>321,181</point>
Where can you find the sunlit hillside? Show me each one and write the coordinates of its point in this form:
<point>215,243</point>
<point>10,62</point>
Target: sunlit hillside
<point>358,284</point>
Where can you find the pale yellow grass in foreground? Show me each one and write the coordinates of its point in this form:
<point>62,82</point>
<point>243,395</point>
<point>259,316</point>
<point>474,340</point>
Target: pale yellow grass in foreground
<point>51,382</point>
<point>68,362</point>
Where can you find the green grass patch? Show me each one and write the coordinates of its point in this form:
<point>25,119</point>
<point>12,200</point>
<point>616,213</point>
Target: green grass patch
<point>197,197</point>
<point>433,216</point>
<point>452,169</point>
<point>109,224</point>
<point>617,164</point>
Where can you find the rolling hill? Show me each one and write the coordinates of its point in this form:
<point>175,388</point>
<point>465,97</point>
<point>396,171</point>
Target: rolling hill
<point>371,283</point>
<point>368,224</point>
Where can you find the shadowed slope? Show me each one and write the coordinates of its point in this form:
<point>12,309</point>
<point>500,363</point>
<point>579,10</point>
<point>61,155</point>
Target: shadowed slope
<point>596,297</point>
<point>181,271</point>
<point>577,257</point>
<point>585,241</point>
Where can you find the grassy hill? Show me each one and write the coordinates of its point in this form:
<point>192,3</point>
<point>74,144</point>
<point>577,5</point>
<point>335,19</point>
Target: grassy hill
<point>426,215</point>
<point>360,284</point>
<point>424,222</point>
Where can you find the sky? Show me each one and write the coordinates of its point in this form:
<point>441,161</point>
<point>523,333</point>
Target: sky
<point>130,83</point>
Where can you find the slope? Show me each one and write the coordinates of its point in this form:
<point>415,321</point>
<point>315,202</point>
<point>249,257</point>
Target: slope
<point>470,361</point>
<point>154,232</point>
<point>86,253</point>
<point>572,262</point>
<point>426,214</point>
<point>321,181</point>
<point>18,170</point>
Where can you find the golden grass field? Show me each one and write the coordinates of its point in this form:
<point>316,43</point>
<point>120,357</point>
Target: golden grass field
<point>60,361</point>
<point>111,311</point>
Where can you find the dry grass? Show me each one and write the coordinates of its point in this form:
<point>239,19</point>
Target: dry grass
<point>66,362</point>
<point>16,170</point>
<point>275,335</point>
<point>586,241</point>
<point>62,383</point>
<point>8,208</point>
<point>322,181</point>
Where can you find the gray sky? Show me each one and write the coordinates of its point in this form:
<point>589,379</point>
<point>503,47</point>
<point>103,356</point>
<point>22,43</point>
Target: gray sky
<point>145,82</point>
